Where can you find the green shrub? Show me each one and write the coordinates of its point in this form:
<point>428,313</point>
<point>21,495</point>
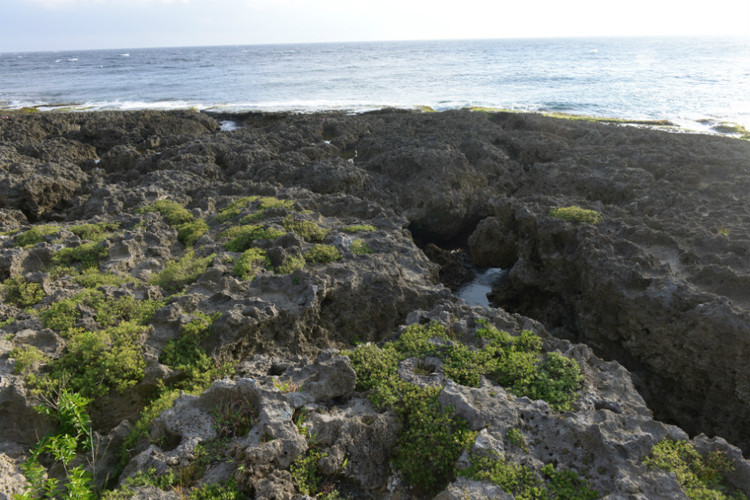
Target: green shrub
<point>110,312</point>
<point>291,263</point>
<point>700,478</point>
<point>242,238</point>
<point>576,215</point>
<point>431,440</point>
<point>250,263</point>
<point>233,209</point>
<point>308,230</point>
<point>91,278</point>
<point>322,254</point>
<point>85,255</point>
<point>360,247</point>
<point>63,315</point>
<point>365,228</point>
<point>140,430</point>
<point>95,232</point>
<point>173,212</point>
<point>567,485</point>
<point>96,362</point>
<point>515,479</point>
<point>189,232</point>
<point>26,358</point>
<point>180,273</point>
<point>35,235</point>
<point>305,472</point>
<point>17,291</point>
<point>515,437</point>
<point>226,491</point>
<point>263,204</point>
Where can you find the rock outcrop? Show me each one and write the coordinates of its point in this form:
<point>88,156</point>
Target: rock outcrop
<point>206,289</point>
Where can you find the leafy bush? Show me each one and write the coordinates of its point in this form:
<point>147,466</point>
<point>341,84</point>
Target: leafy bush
<point>518,480</point>
<point>233,209</point>
<point>86,255</point>
<point>576,215</point>
<point>360,247</point>
<point>96,362</point>
<point>305,471</point>
<point>322,254</point>
<point>26,358</point>
<point>308,230</point>
<point>567,485</point>
<point>17,291</point>
<point>290,264</point>
<point>365,228</point>
<point>250,262</point>
<point>700,478</point>
<point>241,238</point>
<point>94,232</point>
<point>35,235</point>
<point>431,441</point>
<point>182,272</point>
<point>189,232</point>
<point>173,212</point>
<point>91,278</point>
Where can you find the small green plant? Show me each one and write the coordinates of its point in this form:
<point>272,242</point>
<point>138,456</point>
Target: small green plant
<point>85,255</point>
<point>95,232</point>
<point>68,411</point>
<point>515,437</point>
<point>308,230</point>
<point>263,204</point>
<point>242,238</point>
<point>364,228</point>
<point>96,362</point>
<point>226,491</point>
<point>140,430</point>
<point>700,478</point>
<point>515,479</point>
<point>92,278</point>
<point>233,209</point>
<point>19,292</point>
<point>250,263</point>
<point>567,485</point>
<point>189,232</point>
<point>291,263</point>
<point>286,387</point>
<point>36,235</point>
<point>576,215</point>
<point>322,254</point>
<point>234,418</point>
<point>173,212</point>
<point>305,471</point>
<point>27,357</point>
<point>180,273</point>
<point>360,247</point>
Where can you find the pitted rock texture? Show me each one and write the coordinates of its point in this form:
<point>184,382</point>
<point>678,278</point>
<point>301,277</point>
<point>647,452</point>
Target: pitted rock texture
<point>659,286</point>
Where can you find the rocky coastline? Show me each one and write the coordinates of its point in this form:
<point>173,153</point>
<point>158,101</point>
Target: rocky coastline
<point>262,305</point>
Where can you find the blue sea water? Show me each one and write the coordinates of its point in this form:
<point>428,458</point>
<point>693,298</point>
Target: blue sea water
<point>686,80</point>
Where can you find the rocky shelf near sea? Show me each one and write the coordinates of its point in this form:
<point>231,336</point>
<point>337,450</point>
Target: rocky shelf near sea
<point>262,305</point>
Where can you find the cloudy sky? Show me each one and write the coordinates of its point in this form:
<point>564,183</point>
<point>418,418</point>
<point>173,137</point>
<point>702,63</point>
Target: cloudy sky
<point>30,25</point>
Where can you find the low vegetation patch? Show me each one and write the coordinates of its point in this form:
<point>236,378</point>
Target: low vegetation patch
<point>576,215</point>
<point>242,238</point>
<point>36,235</point>
<point>263,204</point>
<point>252,261</point>
<point>95,232</point>
<point>233,209</point>
<point>360,247</point>
<point>361,228</point>
<point>84,256</point>
<point>308,230</point>
<point>189,229</point>
<point>700,477</point>
<point>291,263</point>
<point>322,254</point>
<point>180,273</point>
<point>19,292</point>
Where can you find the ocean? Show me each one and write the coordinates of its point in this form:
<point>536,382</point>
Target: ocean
<point>693,82</point>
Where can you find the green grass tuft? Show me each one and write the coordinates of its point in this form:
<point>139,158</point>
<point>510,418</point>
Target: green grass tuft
<point>19,292</point>
<point>364,228</point>
<point>576,215</point>
<point>86,255</point>
<point>250,263</point>
<point>180,273</point>
<point>308,230</point>
<point>36,235</point>
<point>242,238</point>
<point>173,212</point>
<point>322,254</point>
<point>95,232</point>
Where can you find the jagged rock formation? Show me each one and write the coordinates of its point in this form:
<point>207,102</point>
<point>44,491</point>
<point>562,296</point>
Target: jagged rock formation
<point>336,203</point>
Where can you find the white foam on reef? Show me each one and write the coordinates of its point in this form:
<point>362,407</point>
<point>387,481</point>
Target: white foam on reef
<point>229,125</point>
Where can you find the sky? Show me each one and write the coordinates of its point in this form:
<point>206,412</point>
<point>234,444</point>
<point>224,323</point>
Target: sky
<point>35,25</point>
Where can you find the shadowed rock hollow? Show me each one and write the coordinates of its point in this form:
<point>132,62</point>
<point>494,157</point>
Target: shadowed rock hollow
<point>659,286</point>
